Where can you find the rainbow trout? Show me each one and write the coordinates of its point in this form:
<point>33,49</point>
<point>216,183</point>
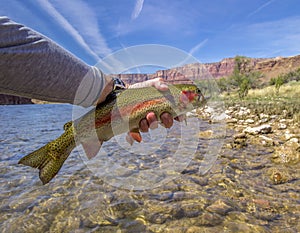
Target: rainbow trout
<point>119,113</point>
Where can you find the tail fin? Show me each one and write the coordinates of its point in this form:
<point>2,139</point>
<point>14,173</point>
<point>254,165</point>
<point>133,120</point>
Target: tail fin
<point>47,159</point>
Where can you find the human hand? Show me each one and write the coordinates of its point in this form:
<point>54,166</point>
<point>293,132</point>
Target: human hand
<point>105,92</point>
<point>151,121</point>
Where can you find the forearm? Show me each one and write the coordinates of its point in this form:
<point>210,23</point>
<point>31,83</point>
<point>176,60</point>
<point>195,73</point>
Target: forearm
<point>33,66</point>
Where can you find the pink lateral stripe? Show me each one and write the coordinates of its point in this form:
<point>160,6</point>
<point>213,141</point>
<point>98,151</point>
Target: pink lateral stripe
<point>129,109</point>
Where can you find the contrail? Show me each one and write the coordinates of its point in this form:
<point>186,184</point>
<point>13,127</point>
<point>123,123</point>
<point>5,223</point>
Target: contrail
<point>198,46</point>
<point>260,8</point>
<point>137,9</point>
<point>84,19</point>
<point>67,26</point>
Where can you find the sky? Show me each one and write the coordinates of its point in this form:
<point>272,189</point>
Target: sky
<point>209,30</point>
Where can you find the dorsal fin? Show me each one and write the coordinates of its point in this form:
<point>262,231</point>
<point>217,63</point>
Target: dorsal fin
<point>68,125</point>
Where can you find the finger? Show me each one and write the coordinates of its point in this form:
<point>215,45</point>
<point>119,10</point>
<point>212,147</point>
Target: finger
<point>152,120</point>
<point>166,119</point>
<point>160,85</point>
<point>144,127</point>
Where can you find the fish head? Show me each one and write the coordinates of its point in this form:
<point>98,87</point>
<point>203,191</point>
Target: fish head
<point>191,94</point>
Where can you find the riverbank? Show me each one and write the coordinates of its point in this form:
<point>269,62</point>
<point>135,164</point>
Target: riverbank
<point>270,119</point>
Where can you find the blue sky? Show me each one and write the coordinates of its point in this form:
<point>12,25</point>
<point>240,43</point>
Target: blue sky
<point>208,29</point>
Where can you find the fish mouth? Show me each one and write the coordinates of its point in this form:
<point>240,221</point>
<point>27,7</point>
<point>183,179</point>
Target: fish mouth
<point>201,98</point>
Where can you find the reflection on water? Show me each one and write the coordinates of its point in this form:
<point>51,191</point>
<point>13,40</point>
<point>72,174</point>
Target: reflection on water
<point>236,195</point>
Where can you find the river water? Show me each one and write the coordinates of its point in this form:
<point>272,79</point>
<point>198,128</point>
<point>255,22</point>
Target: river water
<point>146,191</point>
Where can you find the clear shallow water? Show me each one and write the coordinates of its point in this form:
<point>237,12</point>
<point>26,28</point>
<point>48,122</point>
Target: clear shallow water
<point>235,196</point>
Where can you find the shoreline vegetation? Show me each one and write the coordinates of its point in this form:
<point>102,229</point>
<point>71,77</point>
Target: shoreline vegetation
<point>249,89</point>
<point>269,101</point>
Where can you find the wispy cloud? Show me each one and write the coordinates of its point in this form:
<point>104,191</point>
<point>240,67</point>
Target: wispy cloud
<point>260,8</point>
<point>281,35</point>
<point>80,22</point>
<point>266,39</point>
<point>137,9</point>
<point>166,17</point>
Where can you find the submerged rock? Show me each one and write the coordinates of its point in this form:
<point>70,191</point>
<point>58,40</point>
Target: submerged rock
<point>278,176</point>
<point>205,134</point>
<point>287,153</point>
<point>208,219</point>
<point>219,207</point>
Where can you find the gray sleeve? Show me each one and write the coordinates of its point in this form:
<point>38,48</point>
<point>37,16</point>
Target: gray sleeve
<point>33,66</point>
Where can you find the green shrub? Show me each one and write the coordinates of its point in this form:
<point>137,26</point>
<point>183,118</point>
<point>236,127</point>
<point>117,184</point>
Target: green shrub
<point>241,79</point>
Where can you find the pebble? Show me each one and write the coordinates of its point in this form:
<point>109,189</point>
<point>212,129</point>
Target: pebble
<point>239,135</point>
<point>249,121</point>
<point>263,203</point>
<point>264,120</point>
<point>266,141</point>
<point>232,121</point>
<point>229,111</point>
<point>194,229</point>
<point>241,122</point>
<point>282,126</point>
<point>293,140</point>
<point>273,117</point>
<point>262,129</point>
<point>263,116</point>
<point>239,143</point>
<point>277,178</point>
<point>288,135</point>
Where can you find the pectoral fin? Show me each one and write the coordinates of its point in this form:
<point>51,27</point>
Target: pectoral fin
<point>136,136</point>
<point>91,147</point>
<point>133,135</point>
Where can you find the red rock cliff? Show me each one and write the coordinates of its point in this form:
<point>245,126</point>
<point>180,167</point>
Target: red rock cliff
<point>269,67</point>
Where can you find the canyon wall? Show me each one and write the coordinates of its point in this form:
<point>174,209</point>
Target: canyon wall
<point>269,67</point>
